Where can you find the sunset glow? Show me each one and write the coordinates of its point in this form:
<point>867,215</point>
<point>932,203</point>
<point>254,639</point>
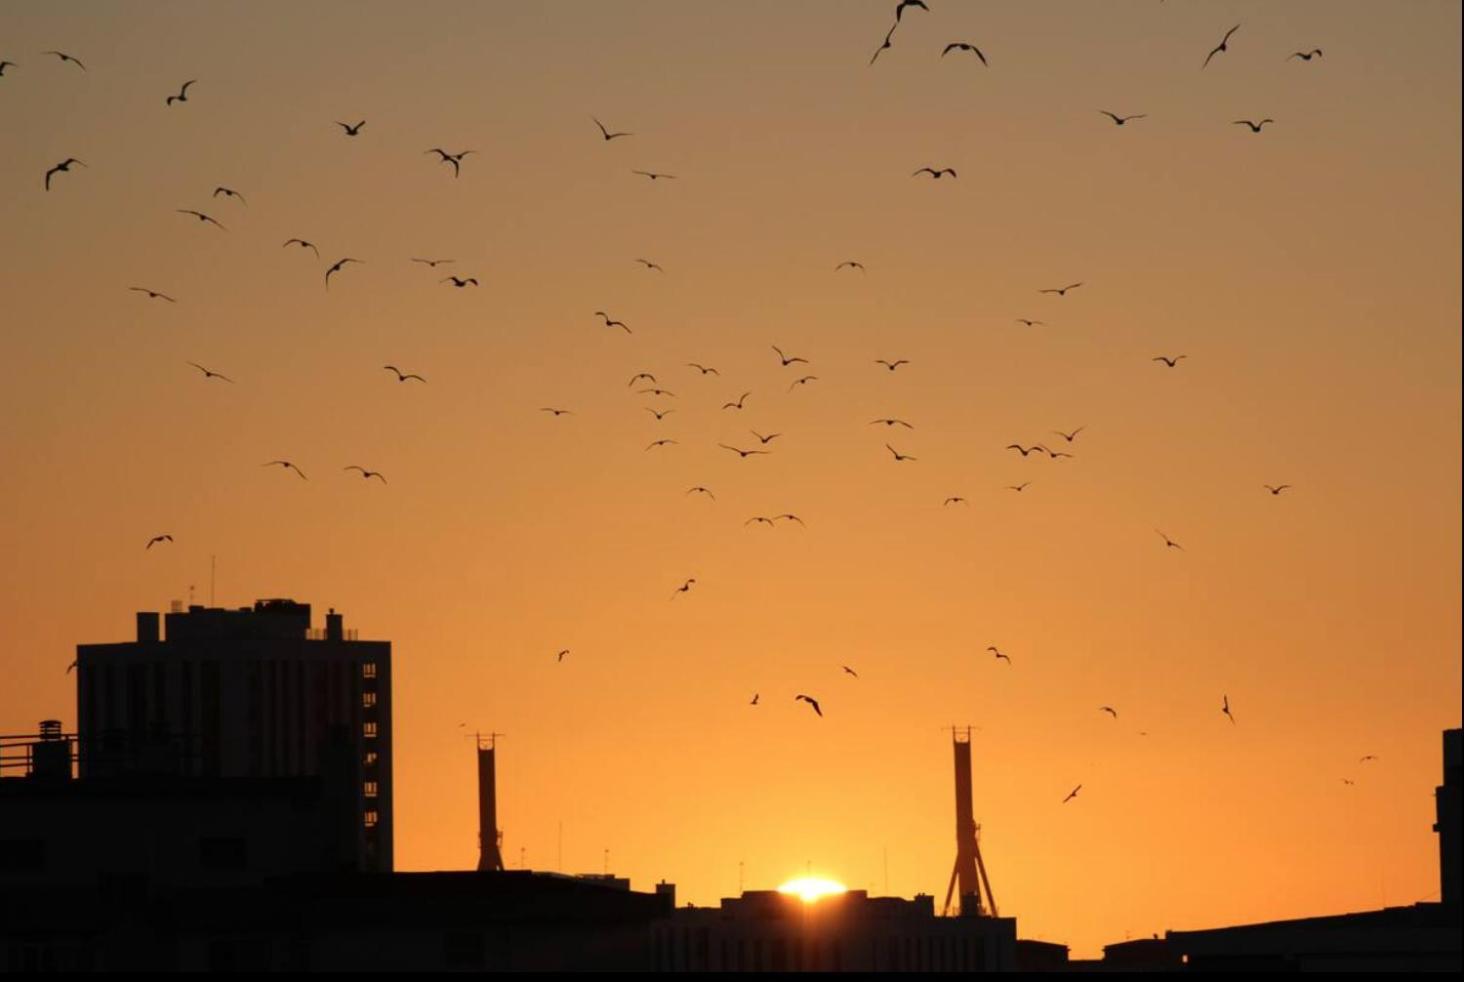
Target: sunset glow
<point>811,888</point>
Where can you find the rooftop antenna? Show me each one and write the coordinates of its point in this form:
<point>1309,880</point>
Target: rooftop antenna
<point>970,870</point>
<point>606,868</point>
<point>190,594</point>
<point>740,865</point>
<point>490,836</point>
<point>212,568</point>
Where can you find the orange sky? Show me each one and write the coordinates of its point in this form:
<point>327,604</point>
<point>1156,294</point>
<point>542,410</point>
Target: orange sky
<point>1310,273</point>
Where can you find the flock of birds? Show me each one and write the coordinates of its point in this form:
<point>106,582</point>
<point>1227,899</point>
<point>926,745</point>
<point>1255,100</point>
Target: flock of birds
<point>651,385</point>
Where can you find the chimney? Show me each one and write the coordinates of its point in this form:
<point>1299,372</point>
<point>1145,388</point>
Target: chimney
<point>333,629</point>
<point>489,856</point>
<point>147,625</point>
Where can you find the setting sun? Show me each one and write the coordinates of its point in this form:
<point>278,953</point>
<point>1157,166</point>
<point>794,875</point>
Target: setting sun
<point>811,888</point>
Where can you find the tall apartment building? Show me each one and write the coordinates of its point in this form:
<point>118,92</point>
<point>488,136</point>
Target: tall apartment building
<point>251,692</point>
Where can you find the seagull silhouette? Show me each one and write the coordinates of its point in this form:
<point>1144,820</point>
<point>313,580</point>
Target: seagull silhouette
<point>891,421</point>
<point>802,381</point>
<point>1018,487</point>
<point>434,263</point>
<point>650,265</point>
<point>611,323</point>
<point>152,294</point>
<point>65,58</point>
<point>1109,710</point>
<point>1221,46</point>
<point>638,376</point>
<point>1306,55</point>
<point>955,501</point>
<point>1225,708</point>
<point>1275,489</point>
<point>900,10</point>
<point>759,519</point>
<point>560,656</point>
<point>556,412</point>
<point>1054,454</point>
<point>997,653</point>
<point>660,443</point>
<point>1024,451</point>
<point>209,374</point>
<point>787,359</point>
<point>765,440</point>
<point>460,281</point>
<point>336,268</point>
<point>703,369</point>
<point>182,95</point>
<point>1120,120</point>
<point>1171,362</point>
<point>850,671</point>
<point>899,456</point>
<point>1254,127</point>
<point>303,245</point>
<point>892,365</point>
<point>201,217</point>
<point>1168,542</point>
<point>789,516</point>
<point>456,159</point>
<point>851,264</point>
<point>403,376</point>
<point>744,454</point>
<point>1069,437</point>
<point>1072,794</point>
<point>287,465</point>
<point>964,46</point>
<point>1061,291</point>
<point>1031,323</point>
<point>885,44</point>
<point>365,473</point>
<point>683,588</point>
<point>655,392</point>
<point>811,701</point>
<point>1364,759</point>
<point>6,64</point>
<point>659,414</point>
<point>934,173</point>
<point>607,134</point>
<point>653,175</point>
<point>229,193</point>
<point>156,539</point>
<point>701,490</point>
<point>754,699</point>
<point>351,130</point>
<point>62,168</point>
<point>738,403</point>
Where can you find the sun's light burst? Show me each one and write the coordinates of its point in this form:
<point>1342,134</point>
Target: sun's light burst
<point>811,888</point>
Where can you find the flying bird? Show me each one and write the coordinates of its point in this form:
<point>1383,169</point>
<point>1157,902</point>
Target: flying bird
<point>850,671</point>
<point>560,656</point>
<point>1254,127</point>
<point>1024,451</point>
<point>754,699</point>
<point>1031,323</point>
<point>934,173</point>
<point>65,58</point>
<point>182,95</point>
<point>1072,794</point>
<point>4,65</point>
<point>655,392</point>
<point>152,294</point>
<point>802,381</point>
<point>1018,487</point>
<point>337,267</point>
<point>556,412</point>
<point>964,46</point>
<point>1366,758</point>
<point>738,403</point>
<point>201,217</point>
<point>811,701</point>
<point>701,490</point>
<point>683,588</point>
<point>1276,489</point>
<point>456,159</point>
<point>900,10</point>
<point>1054,454</point>
<point>765,440</point>
<point>660,443</point>
<point>1109,710</point>
<point>401,375</point>
<point>892,365</point>
<point>1120,120</point>
<point>650,265</point>
<point>156,539</point>
<point>1221,46</point>
<point>606,133</point>
<point>891,421</point>
<point>997,653</point>
<point>303,245</point>
<point>1171,362</point>
<point>1069,437</point>
<point>638,376</point>
<point>898,456</point>
<point>434,263</point>
<point>653,175</point>
<point>790,517</point>
<point>229,193</point>
<point>1168,542</point>
<point>851,264</point>
<point>955,501</point>
<point>660,414</point>
<point>1225,708</point>
<point>611,323</point>
<point>351,130</point>
<point>365,473</point>
<point>209,374</point>
<point>70,667</point>
<point>62,168</point>
<point>460,281</point>
<point>759,519</point>
<point>886,44</point>
<point>1348,781</point>
<point>1307,55</point>
<point>287,465</point>
<point>744,454</point>
<point>703,369</point>
<point>1061,291</point>
<point>786,359</point>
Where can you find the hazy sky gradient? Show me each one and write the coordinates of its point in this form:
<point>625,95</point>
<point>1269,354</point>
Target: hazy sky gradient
<point>1310,273</point>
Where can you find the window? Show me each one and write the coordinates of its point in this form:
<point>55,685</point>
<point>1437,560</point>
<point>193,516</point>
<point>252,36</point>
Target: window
<point>370,819</point>
<point>370,759</point>
<point>368,699</point>
<point>369,789</point>
<point>369,730</point>
<point>368,670</point>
